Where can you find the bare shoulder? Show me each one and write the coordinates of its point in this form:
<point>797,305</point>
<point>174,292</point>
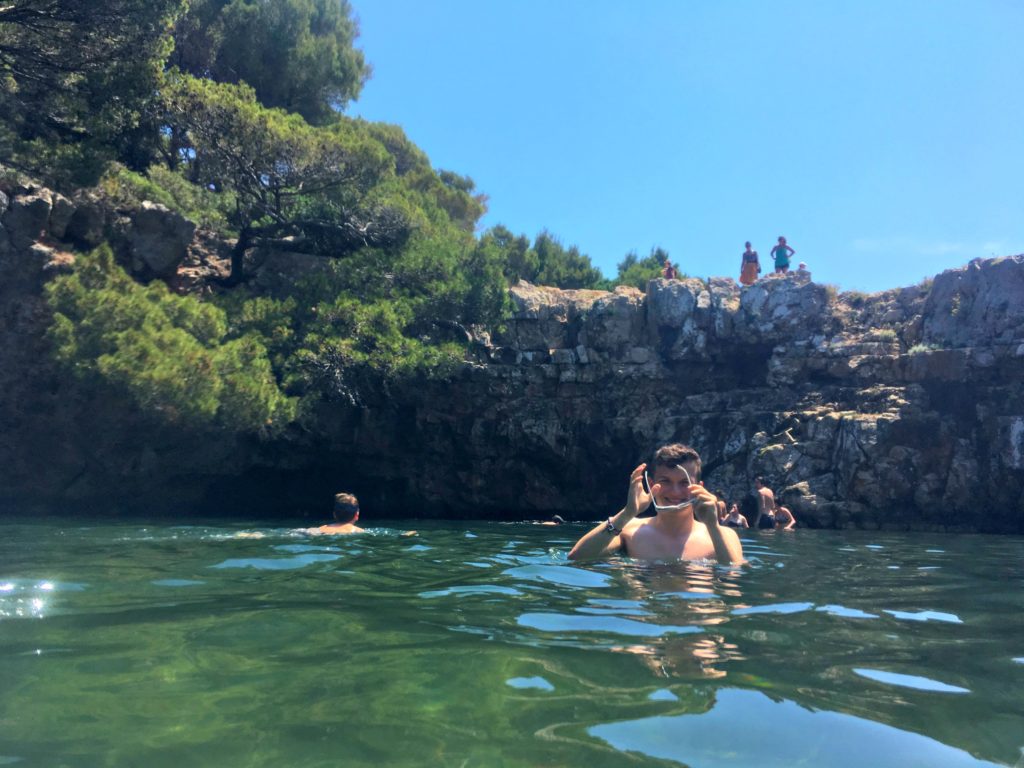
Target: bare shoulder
<point>633,527</point>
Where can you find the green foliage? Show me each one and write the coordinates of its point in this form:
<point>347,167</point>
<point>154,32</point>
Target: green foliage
<point>884,334</point>
<point>128,189</point>
<point>855,299</point>
<point>546,262</point>
<point>357,350</point>
<point>637,272</point>
<point>519,261</point>
<point>287,178</point>
<point>442,194</point>
<point>562,267</point>
<point>297,55</point>
<point>918,349</point>
<point>244,115</point>
<point>955,305</point>
<point>76,83</point>
<point>171,354</point>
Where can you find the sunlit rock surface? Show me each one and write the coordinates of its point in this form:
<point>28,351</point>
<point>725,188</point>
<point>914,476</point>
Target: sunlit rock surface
<point>902,409</point>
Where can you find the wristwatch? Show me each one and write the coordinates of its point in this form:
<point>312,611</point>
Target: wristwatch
<point>610,527</point>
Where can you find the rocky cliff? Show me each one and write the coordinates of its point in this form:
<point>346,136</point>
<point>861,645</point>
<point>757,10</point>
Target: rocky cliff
<point>902,409</point>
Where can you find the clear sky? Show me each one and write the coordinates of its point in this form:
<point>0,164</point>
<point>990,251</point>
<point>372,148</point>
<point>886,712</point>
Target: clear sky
<point>883,138</point>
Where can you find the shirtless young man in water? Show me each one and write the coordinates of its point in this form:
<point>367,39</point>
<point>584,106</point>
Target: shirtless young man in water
<point>691,532</point>
<point>346,512</point>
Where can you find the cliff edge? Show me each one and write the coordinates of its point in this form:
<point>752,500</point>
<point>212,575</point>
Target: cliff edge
<point>902,409</point>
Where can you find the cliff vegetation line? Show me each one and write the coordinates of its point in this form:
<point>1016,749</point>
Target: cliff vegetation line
<point>217,288</point>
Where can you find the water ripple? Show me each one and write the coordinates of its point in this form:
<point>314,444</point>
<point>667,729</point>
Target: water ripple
<point>275,564</point>
<point>560,574</point>
<point>560,622</point>
<point>714,738</point>
<point>530,682</point>
<point>909,681</point>
<point>951,618</point>
<point>783,608</point>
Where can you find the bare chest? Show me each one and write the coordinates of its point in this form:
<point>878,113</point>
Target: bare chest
<point>648,543</point>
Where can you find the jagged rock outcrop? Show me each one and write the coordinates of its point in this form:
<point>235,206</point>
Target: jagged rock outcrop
<point>902,409</point>
<point>159,239</point>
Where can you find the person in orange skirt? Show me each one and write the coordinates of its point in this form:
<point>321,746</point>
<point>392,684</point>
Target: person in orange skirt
<point>750,267</point>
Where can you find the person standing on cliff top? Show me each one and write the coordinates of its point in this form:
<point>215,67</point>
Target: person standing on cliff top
<point>685,527</point>
<point>668,271</point>
<point>750,267</point>
<point>782,253</point>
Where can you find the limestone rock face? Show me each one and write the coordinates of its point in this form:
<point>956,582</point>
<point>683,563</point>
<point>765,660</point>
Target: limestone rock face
<point>26,218</point>
<point>159,239</point>
<point>87,225</point>
<point>904,409</point>
<point>980,304</point>
<point>60,215</point>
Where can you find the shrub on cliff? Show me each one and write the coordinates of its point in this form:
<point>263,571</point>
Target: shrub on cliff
<point>171,354</point>
<point>128,189</point>
<point>545,262</point>
<point>637,272</point>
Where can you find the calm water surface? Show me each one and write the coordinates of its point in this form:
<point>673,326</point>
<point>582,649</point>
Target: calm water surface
<point>480,645</point>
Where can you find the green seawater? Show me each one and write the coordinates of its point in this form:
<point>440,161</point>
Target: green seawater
<point>479,644</point>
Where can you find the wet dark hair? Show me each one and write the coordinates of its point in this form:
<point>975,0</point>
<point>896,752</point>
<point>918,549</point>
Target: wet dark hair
<point>760,479</point>
<point>676,453</point>
<point>346,506</point>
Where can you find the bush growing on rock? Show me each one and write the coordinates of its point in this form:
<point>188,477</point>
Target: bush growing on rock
<point>171,354</point>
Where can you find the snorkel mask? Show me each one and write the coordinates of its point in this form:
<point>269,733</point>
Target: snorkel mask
<point>673,507</point>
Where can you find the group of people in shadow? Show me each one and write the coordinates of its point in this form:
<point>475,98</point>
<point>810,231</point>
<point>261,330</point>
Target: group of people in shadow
<point>761,505</point>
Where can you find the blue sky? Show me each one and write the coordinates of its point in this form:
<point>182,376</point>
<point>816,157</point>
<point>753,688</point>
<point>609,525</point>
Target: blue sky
<point>884,139</point>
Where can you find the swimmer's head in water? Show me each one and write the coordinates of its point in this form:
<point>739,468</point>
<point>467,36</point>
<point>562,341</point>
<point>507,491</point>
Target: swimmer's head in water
<point>346,508</point>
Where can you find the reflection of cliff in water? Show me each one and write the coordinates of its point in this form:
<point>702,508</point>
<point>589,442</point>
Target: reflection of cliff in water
<point>853,654</point>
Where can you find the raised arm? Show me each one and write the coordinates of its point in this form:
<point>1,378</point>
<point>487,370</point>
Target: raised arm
<point>791,524</point>
<point>601,541</point>
<point>728,549</point>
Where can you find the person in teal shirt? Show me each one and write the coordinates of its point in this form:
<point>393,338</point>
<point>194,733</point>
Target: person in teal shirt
<point>782,253</point>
